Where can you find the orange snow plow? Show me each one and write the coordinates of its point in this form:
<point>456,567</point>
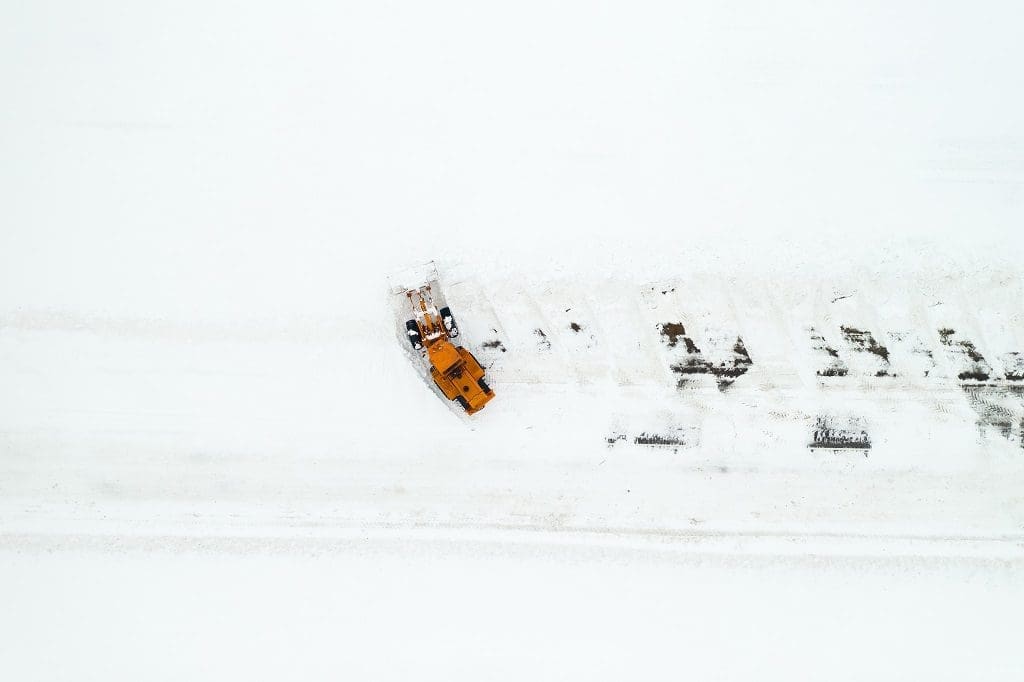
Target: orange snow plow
<point>453,368</point>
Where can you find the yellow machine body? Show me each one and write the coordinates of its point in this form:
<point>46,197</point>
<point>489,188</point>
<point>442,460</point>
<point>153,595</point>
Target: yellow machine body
<point>453,368</point>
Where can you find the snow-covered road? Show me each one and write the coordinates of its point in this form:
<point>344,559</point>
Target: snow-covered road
<point>400,608</point>
<point>747,280</point>
<point>308,423</point>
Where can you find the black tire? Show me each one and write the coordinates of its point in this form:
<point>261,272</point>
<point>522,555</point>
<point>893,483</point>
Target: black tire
<point>483,386</point>
<point>462,401</point>
<point>448,320</point>
<point>413,331</point>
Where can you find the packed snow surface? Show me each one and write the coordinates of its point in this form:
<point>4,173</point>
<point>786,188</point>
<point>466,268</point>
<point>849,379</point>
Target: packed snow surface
<point>747,282</point>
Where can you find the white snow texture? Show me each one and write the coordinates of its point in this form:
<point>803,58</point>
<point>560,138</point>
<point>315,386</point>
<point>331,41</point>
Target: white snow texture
<point>746,278</point>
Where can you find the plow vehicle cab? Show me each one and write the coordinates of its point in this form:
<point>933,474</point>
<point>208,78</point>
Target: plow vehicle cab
<point>452,367</point>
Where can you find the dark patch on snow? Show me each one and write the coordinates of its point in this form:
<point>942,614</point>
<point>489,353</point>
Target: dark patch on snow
<point>725,372</point>
<point>664,436</point>
<point>615,438</point>
<point>660,439</point>
<point>494,345</point>
<point>992,412</point>
<point>978,368</point>
<point>864,341</point>
<point>544,342</point>
<point>992,405</point>
<point>690,366</point>
<point>835,367</point>
<point>738,365</point>
<point>575,327</point>
<point>834,433</point>
<point>741,355</point>
<point>672,331</point>
<point>931,357</point>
